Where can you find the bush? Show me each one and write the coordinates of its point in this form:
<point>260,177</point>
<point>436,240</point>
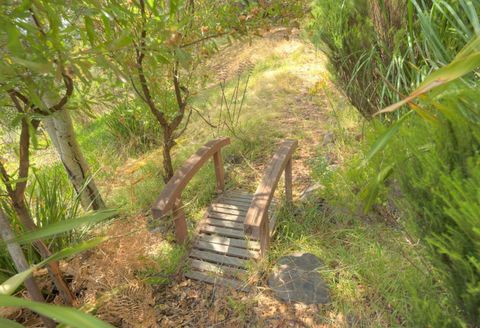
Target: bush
<point>51,199</point>
<point>133,126</point>
<point>439,177</point>
<point>380,50</point>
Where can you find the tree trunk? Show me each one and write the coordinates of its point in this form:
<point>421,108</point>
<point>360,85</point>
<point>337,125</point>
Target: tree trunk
<point>167,156</point>
<point>21,264</point>
<point>60,129</point>
<point>53,267</point>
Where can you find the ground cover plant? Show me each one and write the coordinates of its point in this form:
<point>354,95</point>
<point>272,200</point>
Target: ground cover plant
<point>388,202</point>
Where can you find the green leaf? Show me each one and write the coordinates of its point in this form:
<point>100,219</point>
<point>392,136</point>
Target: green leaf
<point>63,226</point>
<point>370,193</point>
<point>465,62</point>
<point>151,3</point>
<point>13,43</point>
<point>182,56</point>
<point>72,250</point>
<point>62,314</point>
<point>106,26</point>
<point>173,7</point>
<point>33,134</point>
<point>10,323</point>
<point>9,286</point>
<point>381,142</point>
<point>33,95</point>
<point>17,119</point>
<point>38,67</point>
<point>90,30</point>
<point>124,40</point>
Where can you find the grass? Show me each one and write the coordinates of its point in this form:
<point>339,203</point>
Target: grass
<point>371,267</point>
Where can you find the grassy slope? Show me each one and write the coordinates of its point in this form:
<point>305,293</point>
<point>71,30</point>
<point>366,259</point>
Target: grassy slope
<point>371,266</point>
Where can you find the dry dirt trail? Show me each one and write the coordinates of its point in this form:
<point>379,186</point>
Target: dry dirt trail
<point>288,82</point>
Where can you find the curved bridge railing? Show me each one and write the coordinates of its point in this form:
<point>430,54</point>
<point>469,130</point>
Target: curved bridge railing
<point>170,198</point>
<point>256,221</point>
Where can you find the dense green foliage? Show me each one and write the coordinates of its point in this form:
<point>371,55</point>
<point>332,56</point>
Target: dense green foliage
<point>141,61</point>
<point>49,205</point>
<point>439,177</point>
<point>434,159</point>
<point>83,59</point>
<point>130,126</point>
<point>383,49</point>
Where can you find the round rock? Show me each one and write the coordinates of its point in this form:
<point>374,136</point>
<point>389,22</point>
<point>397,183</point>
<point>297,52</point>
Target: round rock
<point>295,279</point>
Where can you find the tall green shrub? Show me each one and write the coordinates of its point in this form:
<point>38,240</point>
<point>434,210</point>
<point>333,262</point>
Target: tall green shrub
<point>435,158</point>
<point>380,50</point>
<point>51,200</point>
<point>131,127</point>
<point>438,169</point>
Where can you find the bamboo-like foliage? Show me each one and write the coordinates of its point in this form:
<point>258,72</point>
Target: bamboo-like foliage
<point>431,54</point>
<point>382,50</point>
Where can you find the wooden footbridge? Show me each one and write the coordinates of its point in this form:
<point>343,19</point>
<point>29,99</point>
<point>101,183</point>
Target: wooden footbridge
<point>237,226</point>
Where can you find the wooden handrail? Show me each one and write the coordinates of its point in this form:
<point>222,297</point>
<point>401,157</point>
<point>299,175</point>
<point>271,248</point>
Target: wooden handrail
<point>256,221</point>
<point>170,197</point>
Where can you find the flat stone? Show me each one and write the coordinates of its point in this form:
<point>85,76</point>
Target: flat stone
<point>328,138</point>
<point>295,279</point>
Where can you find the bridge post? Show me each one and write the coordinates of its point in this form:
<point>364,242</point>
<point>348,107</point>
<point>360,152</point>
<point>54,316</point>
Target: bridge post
<point>219,172</point>
<point>181,232</point>
<point>288,182</point>
<point>264,236</point>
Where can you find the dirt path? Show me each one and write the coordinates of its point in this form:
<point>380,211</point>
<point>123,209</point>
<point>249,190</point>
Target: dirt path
<point>289,86</point>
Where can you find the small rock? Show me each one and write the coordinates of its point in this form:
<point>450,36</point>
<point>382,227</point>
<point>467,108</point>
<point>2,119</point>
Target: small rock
<point>328,138</point>
<point>295,279</point>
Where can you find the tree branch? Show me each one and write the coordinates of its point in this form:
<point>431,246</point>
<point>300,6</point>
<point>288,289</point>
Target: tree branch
<point>37,22</point>
<point>203,39</point>
<point>140,52</point>
<point>179,133</point>
<point>67,80</point>
<point>203,118</point>
<point>24,160</point>
<point>178,96</point>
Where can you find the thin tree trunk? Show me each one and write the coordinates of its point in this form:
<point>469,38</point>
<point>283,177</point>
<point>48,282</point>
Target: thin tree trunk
<point>167,157</point>
<point>21,264</point>
<point>53,267</point>
<point>60,129</point>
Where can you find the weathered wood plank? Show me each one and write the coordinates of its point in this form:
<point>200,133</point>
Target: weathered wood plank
<point>223,231</point>
<point>227,217</point>
<point>233,217</point>
<point>217,258</point>
<point>228,210</point>
<point>224,249</point>
<point>238,193</point>
<point>224,223</point>
<point>205,277</point>
<point>240,243</point>
<point>218,269</point>
<point>234,201</point>
<point>173,189</point>
<point>233,194</point>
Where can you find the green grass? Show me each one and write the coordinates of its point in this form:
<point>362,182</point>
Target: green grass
<point>371,267</point>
